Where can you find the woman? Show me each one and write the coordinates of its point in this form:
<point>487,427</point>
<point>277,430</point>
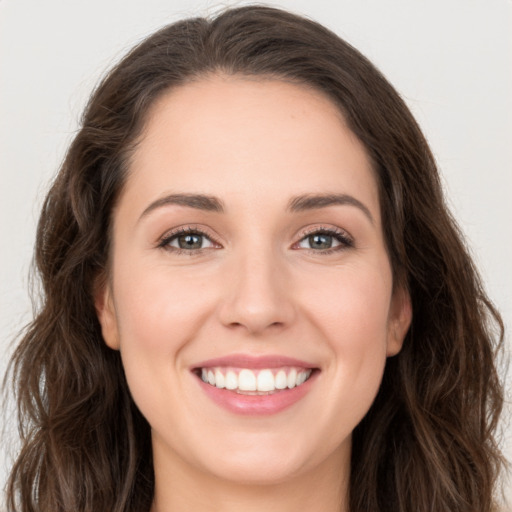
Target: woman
<point>255,296</point>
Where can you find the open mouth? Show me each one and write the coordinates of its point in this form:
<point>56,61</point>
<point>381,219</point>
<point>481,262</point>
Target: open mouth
<point>263,381</point>
<point>255,385</point>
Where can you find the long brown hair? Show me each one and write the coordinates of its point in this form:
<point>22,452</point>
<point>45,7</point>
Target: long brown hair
<point>428,441</point>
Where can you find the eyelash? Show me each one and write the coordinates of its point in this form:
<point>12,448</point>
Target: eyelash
<point>341,236</point>
<point>169,237</point>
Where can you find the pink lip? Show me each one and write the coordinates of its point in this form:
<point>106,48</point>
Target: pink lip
<point>255,404</point>
<point>254,362</point>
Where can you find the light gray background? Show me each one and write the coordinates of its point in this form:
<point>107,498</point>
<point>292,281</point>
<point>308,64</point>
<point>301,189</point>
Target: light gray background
<point>450,59</point>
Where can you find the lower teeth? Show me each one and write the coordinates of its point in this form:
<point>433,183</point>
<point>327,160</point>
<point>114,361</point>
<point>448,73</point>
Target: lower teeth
<point>240,392</point>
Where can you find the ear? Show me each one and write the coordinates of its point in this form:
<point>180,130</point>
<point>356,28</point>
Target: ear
<point>400,317</point>
<point>104,304</point>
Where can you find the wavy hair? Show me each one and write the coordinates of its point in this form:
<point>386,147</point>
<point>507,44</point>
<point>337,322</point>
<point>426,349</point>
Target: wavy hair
<point>428,442</point>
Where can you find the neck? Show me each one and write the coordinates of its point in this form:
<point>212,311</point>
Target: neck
<point>180,488</point>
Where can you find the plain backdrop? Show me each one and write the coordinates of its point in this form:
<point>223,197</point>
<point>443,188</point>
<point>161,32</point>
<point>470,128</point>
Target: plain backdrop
<point>450,59</point>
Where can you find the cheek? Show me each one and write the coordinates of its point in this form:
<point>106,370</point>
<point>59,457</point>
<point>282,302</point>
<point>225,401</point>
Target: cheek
<point>157,315</point>
<point>351,306</point>
<point>352,314</point>
<point>359,337</point>
<point>159,311</point>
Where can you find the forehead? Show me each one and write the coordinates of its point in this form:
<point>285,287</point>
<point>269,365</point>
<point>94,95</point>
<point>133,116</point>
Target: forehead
<point>250,137</point>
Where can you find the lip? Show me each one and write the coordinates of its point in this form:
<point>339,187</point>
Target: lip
<point>253,362</point>
<point>255,404</point>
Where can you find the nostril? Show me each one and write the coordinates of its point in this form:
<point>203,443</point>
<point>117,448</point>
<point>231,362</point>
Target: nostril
<point>256,301</point>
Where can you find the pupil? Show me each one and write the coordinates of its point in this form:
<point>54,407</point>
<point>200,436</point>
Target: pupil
<point>320,241</point>
<point>190,241</point>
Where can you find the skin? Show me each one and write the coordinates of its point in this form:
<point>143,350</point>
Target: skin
<point>256,287</point>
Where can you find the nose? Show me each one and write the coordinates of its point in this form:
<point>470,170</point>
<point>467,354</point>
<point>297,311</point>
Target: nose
<point>257,295</point>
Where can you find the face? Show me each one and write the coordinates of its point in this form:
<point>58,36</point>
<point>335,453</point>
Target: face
<point>251,293</point>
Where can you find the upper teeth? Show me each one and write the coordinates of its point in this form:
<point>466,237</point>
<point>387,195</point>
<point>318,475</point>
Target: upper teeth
<point>255,380</point>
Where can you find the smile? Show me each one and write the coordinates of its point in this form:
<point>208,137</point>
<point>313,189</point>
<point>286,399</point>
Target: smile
<point>255,385</point>
<point>255,382</point>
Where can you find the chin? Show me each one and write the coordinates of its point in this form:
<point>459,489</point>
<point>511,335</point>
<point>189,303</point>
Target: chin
<point>263,460</point>
<point>255,471</point>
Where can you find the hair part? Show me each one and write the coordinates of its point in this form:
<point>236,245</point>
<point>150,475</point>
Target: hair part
<point>428,441</point>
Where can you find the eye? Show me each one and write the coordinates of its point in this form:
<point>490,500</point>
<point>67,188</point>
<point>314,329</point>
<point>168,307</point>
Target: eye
<point>187,240</point>
<point>325,240</point>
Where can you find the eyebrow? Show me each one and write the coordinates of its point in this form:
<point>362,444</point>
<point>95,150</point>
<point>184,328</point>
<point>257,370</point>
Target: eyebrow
<point>296,204</point>
<point>313,201</point>
<point>197,201</point>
